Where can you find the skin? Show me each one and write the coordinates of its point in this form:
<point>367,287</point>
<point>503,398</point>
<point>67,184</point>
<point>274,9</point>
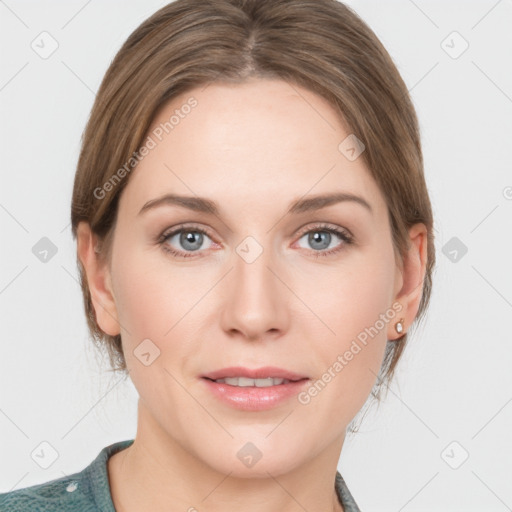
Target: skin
<point>253,149</point>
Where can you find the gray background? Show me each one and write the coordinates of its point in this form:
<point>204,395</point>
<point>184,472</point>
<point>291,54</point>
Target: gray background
<point>453,392</point>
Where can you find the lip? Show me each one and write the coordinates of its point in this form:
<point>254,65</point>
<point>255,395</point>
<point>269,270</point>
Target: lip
<point>252,398</point>
<point>257,373</point>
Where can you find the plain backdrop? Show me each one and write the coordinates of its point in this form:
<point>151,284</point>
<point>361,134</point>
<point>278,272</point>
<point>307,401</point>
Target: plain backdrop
<point>441,440</point>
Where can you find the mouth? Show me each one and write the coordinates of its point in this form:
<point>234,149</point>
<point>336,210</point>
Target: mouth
<point>259,377</point>
<point>243,382</point>
<point>254,390</point>
<point>248,397</point>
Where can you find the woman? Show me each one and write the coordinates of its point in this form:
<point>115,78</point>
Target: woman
<point>254,240</point>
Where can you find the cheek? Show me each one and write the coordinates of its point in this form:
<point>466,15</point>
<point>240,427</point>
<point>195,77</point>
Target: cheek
<point>160,301</point>
<point>349,353</point>
<point>354,294</point>
<point>355,304</point>
<point>146,296</point>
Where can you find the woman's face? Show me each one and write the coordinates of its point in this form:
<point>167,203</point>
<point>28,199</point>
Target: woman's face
<point>264,286</point>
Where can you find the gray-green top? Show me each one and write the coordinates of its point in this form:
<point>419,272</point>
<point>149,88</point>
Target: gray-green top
<point>89,491</point>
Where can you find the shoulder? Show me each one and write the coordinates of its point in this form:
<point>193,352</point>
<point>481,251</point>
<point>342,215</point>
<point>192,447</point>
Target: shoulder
<point>84,491</point>
<point>344,495</point>
<point>65,493</point>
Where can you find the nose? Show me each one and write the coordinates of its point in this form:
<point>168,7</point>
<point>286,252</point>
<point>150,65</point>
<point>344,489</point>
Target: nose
<point>255,296</point>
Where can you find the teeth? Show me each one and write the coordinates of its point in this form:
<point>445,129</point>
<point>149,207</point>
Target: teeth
<point>246,382</point>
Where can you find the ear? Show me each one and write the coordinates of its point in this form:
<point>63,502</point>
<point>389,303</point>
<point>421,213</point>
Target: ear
<point>409,280</point>
<point>98,279</point>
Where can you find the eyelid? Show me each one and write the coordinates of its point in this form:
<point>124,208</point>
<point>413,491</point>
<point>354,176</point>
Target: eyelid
<point>187,226</point>
<point>302,230</point>
<point>324,225</point>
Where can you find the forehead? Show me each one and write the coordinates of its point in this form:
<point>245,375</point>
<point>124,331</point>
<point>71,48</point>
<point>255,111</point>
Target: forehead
<point>260,142</point>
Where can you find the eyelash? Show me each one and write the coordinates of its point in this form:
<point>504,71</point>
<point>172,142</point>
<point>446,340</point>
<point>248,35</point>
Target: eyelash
<point>345,237</point>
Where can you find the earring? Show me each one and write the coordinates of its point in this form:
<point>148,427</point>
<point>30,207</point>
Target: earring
<point>399,326</point>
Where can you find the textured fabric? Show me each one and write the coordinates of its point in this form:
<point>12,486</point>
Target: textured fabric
<point>89,491</point>
<point>346,499</point>
<point>85,491</point>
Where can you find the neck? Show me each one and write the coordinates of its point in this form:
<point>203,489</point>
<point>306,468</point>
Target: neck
<point>159,473</point>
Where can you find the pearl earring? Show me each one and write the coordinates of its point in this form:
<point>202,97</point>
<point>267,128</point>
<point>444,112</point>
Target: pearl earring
<point>399,326</point>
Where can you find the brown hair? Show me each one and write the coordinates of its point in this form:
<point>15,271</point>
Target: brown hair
<point>322,45</point>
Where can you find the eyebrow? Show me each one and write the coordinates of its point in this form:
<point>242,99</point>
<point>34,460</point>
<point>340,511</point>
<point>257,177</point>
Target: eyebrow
<point>308,204</point>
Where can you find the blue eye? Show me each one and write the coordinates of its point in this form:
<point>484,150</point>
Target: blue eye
<point>191,239</point>
<point>320,237</point>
